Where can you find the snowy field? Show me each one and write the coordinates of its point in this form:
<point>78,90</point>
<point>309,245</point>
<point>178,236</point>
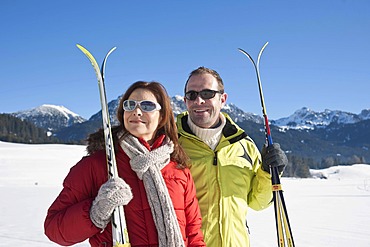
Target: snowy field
<point>322,212</point>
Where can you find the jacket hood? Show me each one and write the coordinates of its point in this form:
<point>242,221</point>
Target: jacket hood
<point>96,141</point>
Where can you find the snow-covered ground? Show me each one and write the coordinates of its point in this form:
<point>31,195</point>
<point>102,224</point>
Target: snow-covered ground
<point>322,212</point>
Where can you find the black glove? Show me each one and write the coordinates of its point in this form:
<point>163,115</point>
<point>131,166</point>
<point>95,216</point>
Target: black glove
<point>273,156</point>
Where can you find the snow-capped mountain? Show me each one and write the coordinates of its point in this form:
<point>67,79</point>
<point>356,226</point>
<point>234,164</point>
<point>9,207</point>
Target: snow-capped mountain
<point>365,114</point>
<point>306,118</point>
<point>305,133</point>
<point>112,109</point>
<point>238,115</point>
<point>50,117</point>
<point>177,104</point>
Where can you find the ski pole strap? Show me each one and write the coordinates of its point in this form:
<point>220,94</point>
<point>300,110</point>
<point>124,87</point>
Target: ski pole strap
<point>276,187</point>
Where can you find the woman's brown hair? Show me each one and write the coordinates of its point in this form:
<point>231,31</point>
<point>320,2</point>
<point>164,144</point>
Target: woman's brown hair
<point>166,126</point>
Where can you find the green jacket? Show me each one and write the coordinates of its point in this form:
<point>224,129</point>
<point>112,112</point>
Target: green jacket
<point>228,180</point>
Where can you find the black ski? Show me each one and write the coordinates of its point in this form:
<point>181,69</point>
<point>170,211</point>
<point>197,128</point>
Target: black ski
<point>284,232</point>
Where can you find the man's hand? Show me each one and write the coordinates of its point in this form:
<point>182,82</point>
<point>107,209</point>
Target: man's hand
<point>273,156</point>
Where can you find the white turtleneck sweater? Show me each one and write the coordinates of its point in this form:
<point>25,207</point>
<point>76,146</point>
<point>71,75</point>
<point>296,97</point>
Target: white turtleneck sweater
<point>211,136</point>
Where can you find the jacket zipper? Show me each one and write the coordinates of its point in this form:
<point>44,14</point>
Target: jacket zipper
<point>215,159</point>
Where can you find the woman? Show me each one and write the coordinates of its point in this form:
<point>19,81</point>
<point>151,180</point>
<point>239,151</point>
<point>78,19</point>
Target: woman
<point>154,180</point>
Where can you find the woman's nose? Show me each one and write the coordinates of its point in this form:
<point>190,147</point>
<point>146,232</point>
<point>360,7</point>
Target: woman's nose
<point>137,111</point>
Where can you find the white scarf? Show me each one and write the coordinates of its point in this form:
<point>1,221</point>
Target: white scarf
<point>210,136</point>
<point>148,165</point>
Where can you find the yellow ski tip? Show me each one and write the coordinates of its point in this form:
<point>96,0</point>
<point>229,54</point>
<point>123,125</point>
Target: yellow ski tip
<point>81,48</point>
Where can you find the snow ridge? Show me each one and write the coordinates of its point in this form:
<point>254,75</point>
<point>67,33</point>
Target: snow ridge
<point>306,118</point>
<point>51,117</point>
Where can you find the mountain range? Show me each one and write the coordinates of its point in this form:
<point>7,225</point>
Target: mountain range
<point>306,133</point>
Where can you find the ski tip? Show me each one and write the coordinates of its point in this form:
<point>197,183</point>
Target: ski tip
<point>264,46</point>
<point>246,54</point>
<point>111,50</point>
<point>79,46</point>
<point>241,50</point>
<point>83,49</point>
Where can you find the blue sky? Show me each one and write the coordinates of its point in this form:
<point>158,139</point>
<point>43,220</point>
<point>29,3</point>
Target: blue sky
<point>318,54</point>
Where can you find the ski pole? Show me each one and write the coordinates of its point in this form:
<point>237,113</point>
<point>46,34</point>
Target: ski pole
<point>281,213</point>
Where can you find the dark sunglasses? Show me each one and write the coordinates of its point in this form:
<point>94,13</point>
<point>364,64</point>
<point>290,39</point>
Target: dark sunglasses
<point>204,94</point>
<point>145,105</point>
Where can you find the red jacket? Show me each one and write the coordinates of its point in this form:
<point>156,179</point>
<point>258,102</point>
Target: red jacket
<point>68,220</point>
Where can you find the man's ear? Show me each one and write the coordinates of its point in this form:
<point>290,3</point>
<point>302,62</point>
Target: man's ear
<point>223,99</point>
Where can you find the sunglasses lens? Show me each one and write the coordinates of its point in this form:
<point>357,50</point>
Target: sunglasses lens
<point>191,95</point>
<point>148,106</point>
<point>129,105</point>
<point>207,94</point>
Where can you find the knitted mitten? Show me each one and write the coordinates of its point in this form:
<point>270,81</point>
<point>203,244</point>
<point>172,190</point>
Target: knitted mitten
<point>115,192</point>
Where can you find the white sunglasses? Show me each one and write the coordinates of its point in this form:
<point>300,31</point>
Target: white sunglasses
<point>145,105</point>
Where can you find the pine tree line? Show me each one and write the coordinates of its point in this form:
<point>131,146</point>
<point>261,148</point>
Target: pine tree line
<point>13,129</point>
<point>300,166</point>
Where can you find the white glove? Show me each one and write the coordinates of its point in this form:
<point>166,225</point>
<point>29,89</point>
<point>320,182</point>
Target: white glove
<point>113,193</point>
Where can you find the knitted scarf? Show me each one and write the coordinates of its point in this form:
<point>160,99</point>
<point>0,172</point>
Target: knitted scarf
<point>148,165</point>
<point>210,136</point>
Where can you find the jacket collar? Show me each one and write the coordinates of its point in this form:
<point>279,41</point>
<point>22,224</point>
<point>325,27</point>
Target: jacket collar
<point>231,131</point>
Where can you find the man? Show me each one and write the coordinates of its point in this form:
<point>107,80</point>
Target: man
<point>225,163</point>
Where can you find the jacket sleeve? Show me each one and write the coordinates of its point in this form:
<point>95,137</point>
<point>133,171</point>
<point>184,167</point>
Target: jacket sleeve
<point>68,219</point>
<point>193,216</point>
<point>260,195</point>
